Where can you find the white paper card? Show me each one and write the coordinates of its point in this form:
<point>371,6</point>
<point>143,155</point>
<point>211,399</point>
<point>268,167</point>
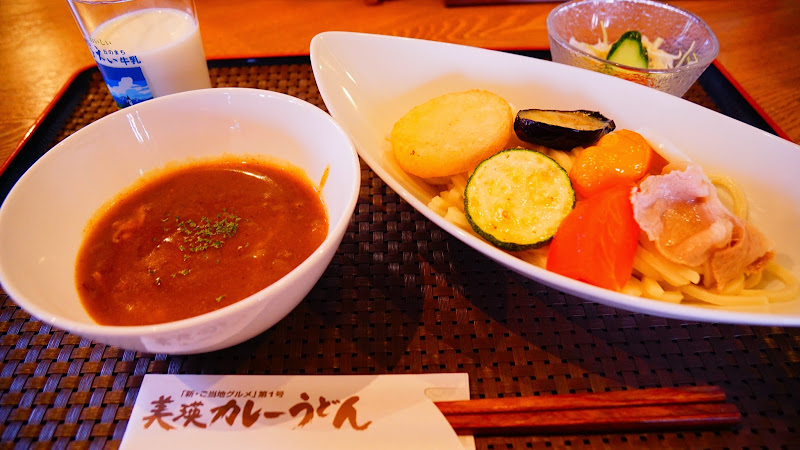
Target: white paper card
<point>292,412</point>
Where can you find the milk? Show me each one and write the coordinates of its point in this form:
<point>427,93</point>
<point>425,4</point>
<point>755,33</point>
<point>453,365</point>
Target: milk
<point>164,44</point>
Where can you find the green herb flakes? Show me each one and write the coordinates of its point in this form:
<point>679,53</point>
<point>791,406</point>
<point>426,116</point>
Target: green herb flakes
<point>207,233</point>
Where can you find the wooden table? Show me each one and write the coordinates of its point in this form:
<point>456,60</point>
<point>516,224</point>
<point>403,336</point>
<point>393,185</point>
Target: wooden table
<point>401,295</point>
<point>42,48</point>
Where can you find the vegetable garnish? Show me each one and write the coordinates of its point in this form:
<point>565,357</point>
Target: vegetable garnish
<point>629,51</point>
<point>656,57</point>
<point>517,198</point>
<point>597,241</point>
<point>521,200</point>
<point>621,156</point>
<point>561,130</point>
<point>201,236</point>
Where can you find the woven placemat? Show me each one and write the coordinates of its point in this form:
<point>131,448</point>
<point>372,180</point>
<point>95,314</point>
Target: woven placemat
<point>402,296</point>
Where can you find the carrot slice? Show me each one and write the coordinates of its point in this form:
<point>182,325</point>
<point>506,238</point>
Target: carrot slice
<point>622,156</point>
<point>597,241</point>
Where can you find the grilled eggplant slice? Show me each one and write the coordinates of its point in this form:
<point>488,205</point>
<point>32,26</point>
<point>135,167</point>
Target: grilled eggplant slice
<point>561,130</point>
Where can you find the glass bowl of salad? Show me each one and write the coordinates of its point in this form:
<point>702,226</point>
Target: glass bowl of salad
<point>644,41</point>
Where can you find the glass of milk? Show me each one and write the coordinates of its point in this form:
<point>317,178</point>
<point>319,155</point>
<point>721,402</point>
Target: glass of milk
<point>144,48</point>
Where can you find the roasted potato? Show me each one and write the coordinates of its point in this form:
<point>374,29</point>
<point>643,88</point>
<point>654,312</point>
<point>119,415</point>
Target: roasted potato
<point>452,133</point>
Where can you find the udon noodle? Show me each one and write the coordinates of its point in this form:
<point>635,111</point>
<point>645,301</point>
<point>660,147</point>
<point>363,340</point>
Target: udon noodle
<point>653,275</point>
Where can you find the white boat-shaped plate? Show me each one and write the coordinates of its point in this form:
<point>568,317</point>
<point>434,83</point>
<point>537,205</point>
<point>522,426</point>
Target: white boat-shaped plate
<point>369,81</point>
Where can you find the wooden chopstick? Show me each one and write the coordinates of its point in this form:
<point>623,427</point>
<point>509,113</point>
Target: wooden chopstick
<point>633,410</point>
<point>654,396</point>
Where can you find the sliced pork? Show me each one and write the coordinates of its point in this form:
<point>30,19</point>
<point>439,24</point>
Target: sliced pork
<point>682,214</point>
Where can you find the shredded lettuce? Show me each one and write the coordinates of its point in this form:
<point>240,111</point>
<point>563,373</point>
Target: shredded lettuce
<point>657,58</point>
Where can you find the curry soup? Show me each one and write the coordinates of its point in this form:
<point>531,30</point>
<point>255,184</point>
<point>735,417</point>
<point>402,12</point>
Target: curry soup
<point>196,239</point>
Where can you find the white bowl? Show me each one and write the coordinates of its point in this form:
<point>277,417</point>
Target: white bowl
<point>43,217</point>
<point>368,82</point>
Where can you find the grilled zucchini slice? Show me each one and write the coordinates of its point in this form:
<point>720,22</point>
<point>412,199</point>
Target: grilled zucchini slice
<point>517,198</point>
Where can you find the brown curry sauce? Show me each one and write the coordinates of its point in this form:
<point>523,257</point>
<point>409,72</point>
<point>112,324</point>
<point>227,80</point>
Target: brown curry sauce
<point>196,239</point>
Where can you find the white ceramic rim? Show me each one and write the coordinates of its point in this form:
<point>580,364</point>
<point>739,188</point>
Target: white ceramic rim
<point>327,248</point>
<point>325,46</point>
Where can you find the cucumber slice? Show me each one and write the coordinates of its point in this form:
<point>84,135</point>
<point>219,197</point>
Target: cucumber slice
<point>629,51</point>
<point>517,198</point>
